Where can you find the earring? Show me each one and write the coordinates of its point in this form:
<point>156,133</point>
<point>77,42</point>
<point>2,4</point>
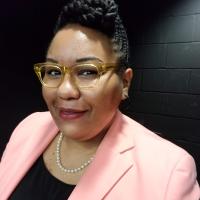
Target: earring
<point>125,96</point>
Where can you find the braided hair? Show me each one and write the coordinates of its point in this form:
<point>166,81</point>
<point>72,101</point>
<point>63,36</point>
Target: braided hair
<point>101,15</point>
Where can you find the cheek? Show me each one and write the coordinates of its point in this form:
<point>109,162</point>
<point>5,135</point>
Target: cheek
<point>112,97</point>
<point>48,95</point>
<point>106,96</point>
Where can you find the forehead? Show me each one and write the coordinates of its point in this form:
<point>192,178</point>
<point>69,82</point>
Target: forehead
<point>75,42</point>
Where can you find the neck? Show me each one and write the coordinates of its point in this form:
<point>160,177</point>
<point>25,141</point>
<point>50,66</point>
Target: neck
<point>87,146</point>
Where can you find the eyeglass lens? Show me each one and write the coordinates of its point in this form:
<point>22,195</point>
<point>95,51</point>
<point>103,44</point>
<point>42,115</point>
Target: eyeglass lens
<point>83,75</point>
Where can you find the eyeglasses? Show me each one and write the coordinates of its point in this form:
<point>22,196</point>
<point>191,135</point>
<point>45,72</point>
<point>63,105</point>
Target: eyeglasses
<point>84,75</point>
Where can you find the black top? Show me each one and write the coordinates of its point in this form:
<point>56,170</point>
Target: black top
<point>39,184</point>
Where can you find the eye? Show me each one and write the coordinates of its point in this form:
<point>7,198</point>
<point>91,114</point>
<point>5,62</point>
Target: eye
<point>52,72</point>
<point>88,72</point>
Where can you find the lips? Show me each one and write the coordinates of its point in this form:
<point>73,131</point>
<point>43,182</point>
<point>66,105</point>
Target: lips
<point>71,114</point>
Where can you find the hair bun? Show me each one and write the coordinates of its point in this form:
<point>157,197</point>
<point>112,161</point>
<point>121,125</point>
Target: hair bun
<point>101,15</point>
<point>91,13</point>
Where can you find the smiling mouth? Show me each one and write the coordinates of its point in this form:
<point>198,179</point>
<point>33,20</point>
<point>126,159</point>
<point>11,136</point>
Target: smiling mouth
<point>71,114</point>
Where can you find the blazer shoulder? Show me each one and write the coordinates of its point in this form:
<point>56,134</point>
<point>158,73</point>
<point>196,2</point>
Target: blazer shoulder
<point>146,139</point>
<point>29,129</point>
<point>36,117</point>
<point>32,121</point>
<point>161,162</point>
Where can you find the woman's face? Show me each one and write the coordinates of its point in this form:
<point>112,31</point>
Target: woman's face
<point>83,113</point>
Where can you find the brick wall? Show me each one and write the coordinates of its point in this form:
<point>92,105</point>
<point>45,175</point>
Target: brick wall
<point>165,94</point>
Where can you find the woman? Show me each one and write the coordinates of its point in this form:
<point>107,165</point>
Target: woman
<point>84,148</point>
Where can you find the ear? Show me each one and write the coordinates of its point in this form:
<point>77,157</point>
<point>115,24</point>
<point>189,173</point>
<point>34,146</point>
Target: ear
<point>126,78</point>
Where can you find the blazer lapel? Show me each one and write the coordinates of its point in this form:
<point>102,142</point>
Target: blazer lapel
<point>113,159</point>
<point>22,151</point>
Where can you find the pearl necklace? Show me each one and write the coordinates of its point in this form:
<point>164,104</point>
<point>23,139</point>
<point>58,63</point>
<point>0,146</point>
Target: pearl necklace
<point>59,163</point>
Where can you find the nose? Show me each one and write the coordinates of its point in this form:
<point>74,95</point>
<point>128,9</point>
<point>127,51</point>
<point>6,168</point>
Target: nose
<point>68,89</point>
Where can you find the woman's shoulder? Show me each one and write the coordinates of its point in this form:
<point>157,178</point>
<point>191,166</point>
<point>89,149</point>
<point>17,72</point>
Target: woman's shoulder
<point>30,128</point>
<point>32,121</point>
<point>36,116</point>
<point>153,143</point>
<point>152,150</point>
<point>31,131</point>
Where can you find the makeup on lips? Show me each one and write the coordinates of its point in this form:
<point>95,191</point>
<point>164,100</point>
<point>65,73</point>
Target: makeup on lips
<point>71,114</point>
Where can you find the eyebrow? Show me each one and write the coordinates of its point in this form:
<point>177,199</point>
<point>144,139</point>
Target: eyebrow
<point>51,60</point>
<point>85,59</point>
<point>91,58</point>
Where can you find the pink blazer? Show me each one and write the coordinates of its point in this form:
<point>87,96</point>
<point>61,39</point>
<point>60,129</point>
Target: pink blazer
<point>132,163</point>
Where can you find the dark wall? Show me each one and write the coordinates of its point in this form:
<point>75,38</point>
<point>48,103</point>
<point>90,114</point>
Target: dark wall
<point>165,55</point>
<point>25,31</point>
<point>165,94</point>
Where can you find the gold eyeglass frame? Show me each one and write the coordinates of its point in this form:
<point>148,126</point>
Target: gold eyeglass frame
<point>101,69</point>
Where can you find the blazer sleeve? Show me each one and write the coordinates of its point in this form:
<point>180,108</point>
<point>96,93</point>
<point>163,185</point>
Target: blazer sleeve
<point>182,183</point>
<point>17,132</point>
